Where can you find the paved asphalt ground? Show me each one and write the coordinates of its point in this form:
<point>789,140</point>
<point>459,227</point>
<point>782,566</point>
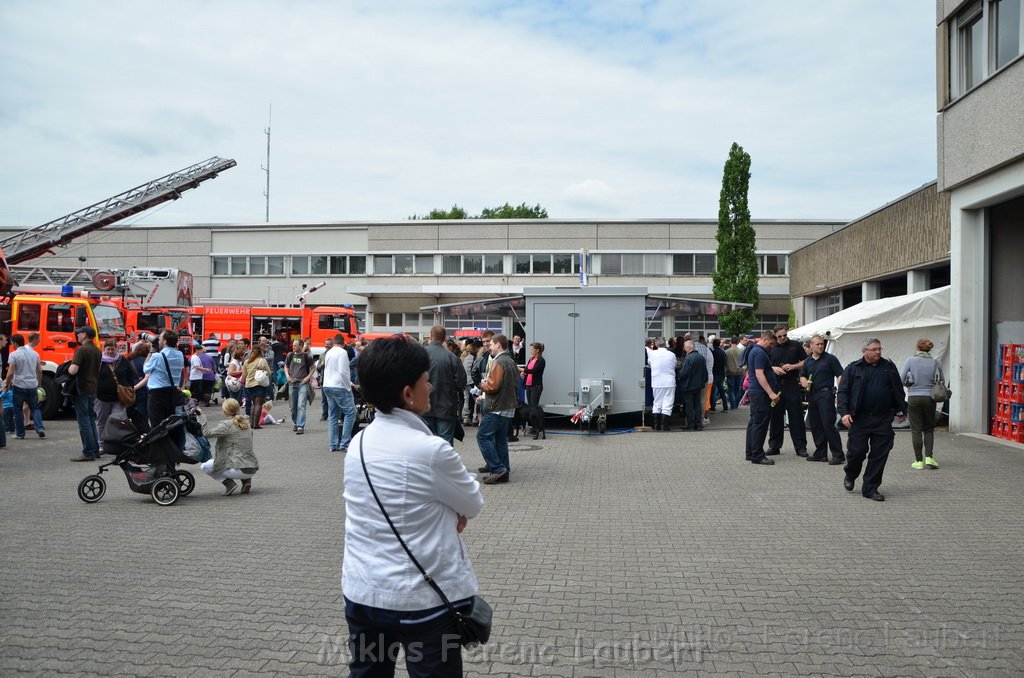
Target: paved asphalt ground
<point>641,554</point>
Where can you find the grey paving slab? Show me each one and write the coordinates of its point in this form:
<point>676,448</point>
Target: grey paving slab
<point>643,554</point>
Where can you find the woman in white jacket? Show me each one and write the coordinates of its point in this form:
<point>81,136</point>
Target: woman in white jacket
<point>429,495</point>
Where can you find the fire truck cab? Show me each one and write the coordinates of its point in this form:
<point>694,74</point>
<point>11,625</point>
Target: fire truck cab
<point>54,315</point>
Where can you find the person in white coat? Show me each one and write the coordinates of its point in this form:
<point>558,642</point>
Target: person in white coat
<point>430,496</point>
<point>663,382</point>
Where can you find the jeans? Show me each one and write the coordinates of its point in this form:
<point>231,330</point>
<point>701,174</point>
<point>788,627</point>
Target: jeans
<point>339,401</point>
<point>30,396</point>
<point>442,428</point>
<point>717,393</point>
<point>84,412</point>
<point>298,400</point>
<point>429,637</point>
<point>735,391</point>
<point>492,438</point>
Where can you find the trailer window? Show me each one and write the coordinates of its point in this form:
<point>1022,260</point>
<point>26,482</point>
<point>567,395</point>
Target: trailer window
<point>28,317</point>
<point>59,318</point>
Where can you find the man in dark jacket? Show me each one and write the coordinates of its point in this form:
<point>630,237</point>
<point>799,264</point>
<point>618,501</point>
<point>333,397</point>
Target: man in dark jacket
<point>499,405</point>
<point>691,377</point>
<point>718,376</point>
<point>870,394</point>
<point>787,360</point>
<point>447,381</point>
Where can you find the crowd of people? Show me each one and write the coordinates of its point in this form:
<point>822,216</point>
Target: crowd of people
<point>779,377</point>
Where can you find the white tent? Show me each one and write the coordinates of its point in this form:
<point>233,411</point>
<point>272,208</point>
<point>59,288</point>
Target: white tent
<point>897,321</point>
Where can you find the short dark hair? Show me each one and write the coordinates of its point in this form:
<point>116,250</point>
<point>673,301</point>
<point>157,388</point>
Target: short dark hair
<point>89,332</point>
<point>170,338</point>
<point>17,339</point>
<point>387,366</point>
<point>500,340</point>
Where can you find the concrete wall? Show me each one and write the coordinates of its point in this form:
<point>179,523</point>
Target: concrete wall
<point>911,232</point>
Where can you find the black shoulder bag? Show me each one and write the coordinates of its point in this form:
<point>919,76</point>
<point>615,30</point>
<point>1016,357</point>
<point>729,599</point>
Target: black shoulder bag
<point>474,627</point>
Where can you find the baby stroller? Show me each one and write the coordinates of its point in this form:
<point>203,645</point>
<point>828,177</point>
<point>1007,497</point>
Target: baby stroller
<point>149,459</point>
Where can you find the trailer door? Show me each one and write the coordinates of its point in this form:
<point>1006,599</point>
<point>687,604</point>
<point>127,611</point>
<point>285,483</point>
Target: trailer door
<point>558,321</point>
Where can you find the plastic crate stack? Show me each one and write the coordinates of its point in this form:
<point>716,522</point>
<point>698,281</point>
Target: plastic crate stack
<point>1009,420</point>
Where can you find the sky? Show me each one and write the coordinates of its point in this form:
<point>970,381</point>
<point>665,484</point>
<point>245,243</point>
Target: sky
<point>378,110</point>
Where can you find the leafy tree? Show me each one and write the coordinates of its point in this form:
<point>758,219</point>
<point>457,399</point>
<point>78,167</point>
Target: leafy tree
<point>522,211</point>
<point>506,211</point>
<point>455,212</point>
<point>736,275</point>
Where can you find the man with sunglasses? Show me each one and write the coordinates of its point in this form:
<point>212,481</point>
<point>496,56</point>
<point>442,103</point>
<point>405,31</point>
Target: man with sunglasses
<point>787,359</point>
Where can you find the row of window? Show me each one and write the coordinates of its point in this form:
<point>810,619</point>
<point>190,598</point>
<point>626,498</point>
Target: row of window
<point>984,37</point>
<point>482,264</point>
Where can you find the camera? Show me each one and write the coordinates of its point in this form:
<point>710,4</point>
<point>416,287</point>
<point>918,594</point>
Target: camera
<point>148,336</point>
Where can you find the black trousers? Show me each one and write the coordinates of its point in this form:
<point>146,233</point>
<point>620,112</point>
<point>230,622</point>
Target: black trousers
<point>791,405</point>
<point>161,406</point>
<point>757,427</point>
<point>693,408</point>
<point>871,438</point>
<point>821,409</point>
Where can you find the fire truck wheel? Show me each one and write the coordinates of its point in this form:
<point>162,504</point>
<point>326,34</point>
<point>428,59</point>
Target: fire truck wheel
<point>50,407</point>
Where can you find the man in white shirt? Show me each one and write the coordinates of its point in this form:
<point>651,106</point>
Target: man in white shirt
<point>337,391</point>
<point>24,372</point>
<point>663,383</point>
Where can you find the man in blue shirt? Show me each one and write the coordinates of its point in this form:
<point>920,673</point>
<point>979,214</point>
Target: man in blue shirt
<point>164,372</point>
<point>762,393</point>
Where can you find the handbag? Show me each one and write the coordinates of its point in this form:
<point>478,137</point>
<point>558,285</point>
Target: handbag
<point>940,392</point>
<point>261,377</point>
<point>234,384</point>
<point>179,399</point>
<point>475,625</point>
<point>125,394</point>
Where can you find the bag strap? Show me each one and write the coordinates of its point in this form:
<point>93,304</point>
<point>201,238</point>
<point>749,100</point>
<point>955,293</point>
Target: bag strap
<point>170,375</point>
<point>114,372</point>
<point>426,577</point>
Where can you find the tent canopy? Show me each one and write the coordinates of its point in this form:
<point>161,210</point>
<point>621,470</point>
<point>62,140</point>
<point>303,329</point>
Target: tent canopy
<point>898,322</point>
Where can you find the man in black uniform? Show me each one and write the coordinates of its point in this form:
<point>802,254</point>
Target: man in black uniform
<point>787,360</point>
<point>818,378</point>
<point>870,394</point>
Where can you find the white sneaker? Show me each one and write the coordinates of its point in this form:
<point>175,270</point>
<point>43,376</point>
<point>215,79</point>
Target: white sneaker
<point>706,421</point>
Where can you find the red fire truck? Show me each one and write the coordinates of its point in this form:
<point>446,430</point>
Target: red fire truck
<point>278,324</point>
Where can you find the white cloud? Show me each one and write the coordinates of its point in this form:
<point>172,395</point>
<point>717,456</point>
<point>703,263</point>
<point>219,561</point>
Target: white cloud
<point>384,109</point>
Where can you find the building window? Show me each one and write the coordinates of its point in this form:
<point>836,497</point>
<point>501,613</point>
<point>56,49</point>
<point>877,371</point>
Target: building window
<point>472,264</point>
<point>774,264</point>
<point>383,265</point>
<point>275,265</point>
<point>693,264</point>
<point>403,264</point>
<point>300,265</point>
<point>611,264</point>
<point>318,265</point>
<point>494,264</point>
<point>239,266</point>
<point>451,264</point>
<point>562,263</point>
<point>221,265</point>
<point>521,264</point>
<point>827,304</point>
<point>1008,30</point>
<point>424,264</point>
<point>339,265</point>
<point>250,266</point>
<point>541,264</point>
<point>966,50</point>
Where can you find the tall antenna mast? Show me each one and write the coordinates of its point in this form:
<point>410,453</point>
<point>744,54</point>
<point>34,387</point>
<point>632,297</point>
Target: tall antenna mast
<point>266,130</point>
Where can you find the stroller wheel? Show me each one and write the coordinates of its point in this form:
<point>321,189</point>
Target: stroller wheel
<point>186,482</point>
<point>91,489</point>
<point>165,491</point>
